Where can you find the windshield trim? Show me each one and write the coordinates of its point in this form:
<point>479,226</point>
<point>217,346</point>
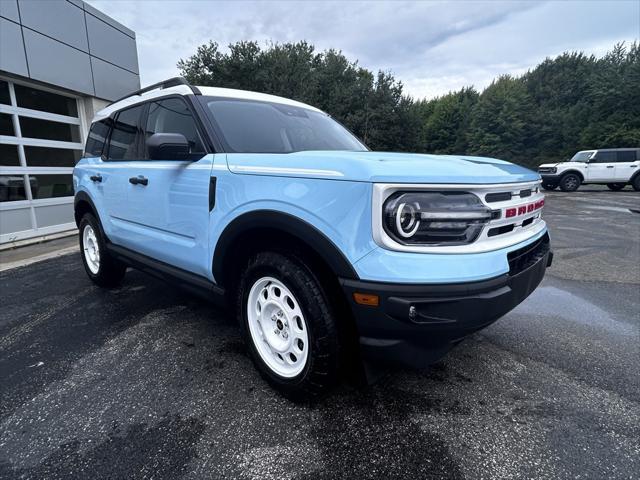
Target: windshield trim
<point>586,160</point>
<point>227,148</point>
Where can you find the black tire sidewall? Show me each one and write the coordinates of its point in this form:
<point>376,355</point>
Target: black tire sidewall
<point>315,307</point>
<point>563,186</point>
<point>90,220</point>
<point>110,271</point>
<point>636,183</point>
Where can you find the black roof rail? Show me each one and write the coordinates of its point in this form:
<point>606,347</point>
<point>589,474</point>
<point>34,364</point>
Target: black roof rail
<point>171,82</point>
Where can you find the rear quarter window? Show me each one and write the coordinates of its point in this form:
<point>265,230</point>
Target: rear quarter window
<point>627,156</point>
<point>96,139</point>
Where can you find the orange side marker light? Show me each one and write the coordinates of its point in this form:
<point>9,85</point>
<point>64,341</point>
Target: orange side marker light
<point>366,299</point>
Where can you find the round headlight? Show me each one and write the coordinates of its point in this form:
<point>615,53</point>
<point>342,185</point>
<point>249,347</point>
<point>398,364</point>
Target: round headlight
<point>407,222</point>
<point>434,218</point>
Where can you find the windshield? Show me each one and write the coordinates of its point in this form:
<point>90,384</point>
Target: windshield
<point>250,126</point>
<point>582,156</point>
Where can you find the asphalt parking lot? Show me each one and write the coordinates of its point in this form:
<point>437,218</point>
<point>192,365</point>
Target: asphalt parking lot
<point>149,382</point>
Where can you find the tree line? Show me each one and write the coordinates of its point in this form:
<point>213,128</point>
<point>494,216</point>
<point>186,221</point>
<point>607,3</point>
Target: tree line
<point>565,104</point>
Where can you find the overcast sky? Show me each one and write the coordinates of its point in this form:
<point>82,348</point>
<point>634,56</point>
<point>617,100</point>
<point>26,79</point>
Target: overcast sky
<point>433,47</point>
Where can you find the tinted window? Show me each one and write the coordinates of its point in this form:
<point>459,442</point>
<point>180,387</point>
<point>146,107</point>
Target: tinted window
<point>172,115</point>
<point>627,156</point>
<point>12,188</point>
<point>4,93</point>
<point>51,157</point>
<point>38,128</point>
<point>123,144</point>
<point>6,125</point>
<point>28,97</point>
<point>9,156</point>
<point>605,157</point>
<point>51,186</point>
<point>97,137</point>
<point>264,127</point>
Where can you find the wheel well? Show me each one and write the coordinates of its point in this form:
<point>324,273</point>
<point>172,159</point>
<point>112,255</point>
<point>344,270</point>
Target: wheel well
<point>81,208</point>
<point>259,239</point>
<point>576,172</point>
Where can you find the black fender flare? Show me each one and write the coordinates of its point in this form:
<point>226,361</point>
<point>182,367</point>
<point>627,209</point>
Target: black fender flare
<point>84,197</point>
<point>576,172</point>
<point>272,219</point>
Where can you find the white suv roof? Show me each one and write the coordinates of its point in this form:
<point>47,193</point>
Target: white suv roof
<point>207,91</point>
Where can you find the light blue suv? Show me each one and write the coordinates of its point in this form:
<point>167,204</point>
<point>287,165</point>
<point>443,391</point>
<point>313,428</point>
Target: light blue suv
<point>328,252</point>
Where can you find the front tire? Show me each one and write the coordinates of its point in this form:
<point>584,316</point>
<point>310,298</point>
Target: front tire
<point>635,183</point>
<point>616,186</point>
<point>102,269</point>
<point>570,182</point>
<point>288,325</point>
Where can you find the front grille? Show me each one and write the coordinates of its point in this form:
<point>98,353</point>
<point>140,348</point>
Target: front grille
<point>498,197</point>
<point>523,258</point>
<point>500,230</point>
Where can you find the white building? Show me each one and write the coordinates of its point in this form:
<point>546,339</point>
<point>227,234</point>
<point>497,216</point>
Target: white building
<point>60,62</point>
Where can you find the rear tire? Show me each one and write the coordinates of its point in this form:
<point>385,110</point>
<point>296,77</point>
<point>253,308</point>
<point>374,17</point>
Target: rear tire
<point>570,182</point>
<point>288,325</point>
<point>102,269</point>
<point>616,186</point>
<point>635,183</point>
<point>548,186</point>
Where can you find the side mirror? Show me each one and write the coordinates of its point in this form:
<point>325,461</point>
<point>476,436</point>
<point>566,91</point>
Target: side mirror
<point>168,146</point>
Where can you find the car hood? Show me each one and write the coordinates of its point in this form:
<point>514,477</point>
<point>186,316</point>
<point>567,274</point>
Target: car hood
<point>564,164</point>
<point>381,167</point>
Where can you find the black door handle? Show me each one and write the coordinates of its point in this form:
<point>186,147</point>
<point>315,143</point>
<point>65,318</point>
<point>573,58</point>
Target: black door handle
<point>95,178</point>
<point>139,180</point>
<point>633,166</point>
<point>609,166</point>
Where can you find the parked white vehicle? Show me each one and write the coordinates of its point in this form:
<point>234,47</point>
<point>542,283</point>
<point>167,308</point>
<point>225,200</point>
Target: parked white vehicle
<point>613,167</point>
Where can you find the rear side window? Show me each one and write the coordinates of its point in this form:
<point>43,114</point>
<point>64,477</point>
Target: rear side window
<point>627,156</point>
<point>605,157</point>
<point>125,137</point>
<point>172,115</point>
<point>98,135</point>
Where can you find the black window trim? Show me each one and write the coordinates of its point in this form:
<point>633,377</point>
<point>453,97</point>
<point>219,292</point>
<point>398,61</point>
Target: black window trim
<point>210,142</point>
<point>109,122</point>
<point>113,117</point>
<point>199,129</point>
<point>203,100</point>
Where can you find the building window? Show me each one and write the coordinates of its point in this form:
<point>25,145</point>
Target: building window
<point>28,97</point>
<point>51,186</point>
<point>41,141</point>
<point>37,128</point>
<point>4,93</point>
<point>12,188</point>
<point>6,125</point>
<point>9,156</point>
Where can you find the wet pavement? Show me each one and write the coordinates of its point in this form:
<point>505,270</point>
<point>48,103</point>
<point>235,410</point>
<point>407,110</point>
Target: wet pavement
<point>146,381</point>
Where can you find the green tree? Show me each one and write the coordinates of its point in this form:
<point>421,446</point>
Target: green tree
<point>565,104</point>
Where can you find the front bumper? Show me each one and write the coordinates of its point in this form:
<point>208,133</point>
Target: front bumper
<point>550,178</point>
<point>416,325</point>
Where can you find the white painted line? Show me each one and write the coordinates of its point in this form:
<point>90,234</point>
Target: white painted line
<point>39,239</point>
<point>38,258</point>
<point>612,209</point>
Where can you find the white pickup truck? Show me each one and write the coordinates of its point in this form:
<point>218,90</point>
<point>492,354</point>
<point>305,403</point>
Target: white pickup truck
<point>613,167</point>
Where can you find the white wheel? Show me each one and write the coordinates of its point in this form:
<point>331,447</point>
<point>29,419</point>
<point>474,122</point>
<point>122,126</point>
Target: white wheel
<point>277,327</point>
<point>91,249</point>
